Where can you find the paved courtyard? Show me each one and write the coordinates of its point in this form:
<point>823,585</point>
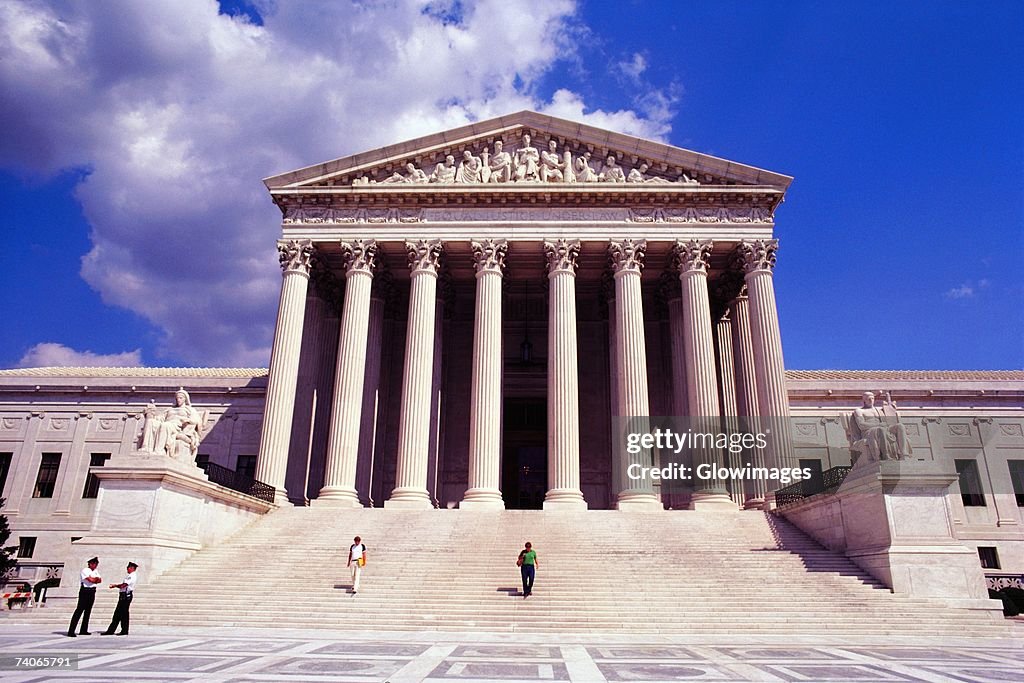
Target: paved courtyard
<point>237,655</point>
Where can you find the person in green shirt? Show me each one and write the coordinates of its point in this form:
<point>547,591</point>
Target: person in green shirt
<point>528,568</point>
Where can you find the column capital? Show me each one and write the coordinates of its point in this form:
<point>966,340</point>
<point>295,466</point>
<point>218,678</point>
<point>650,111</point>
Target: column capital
<point>383,287</point>
<point>359,256</point>
<point>754,255</point>
<point>295,255</point>
<point>692,255</point>
<point>727,288</point>
<point>627,255</point>
<point>424,255</point>
<point>561,256</point>
<point>489,256</point>
<point>669,287</point>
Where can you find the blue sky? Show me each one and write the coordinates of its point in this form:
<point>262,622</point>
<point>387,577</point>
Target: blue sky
<point>134,137</point>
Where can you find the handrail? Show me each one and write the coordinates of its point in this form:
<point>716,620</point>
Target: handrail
<point>231,479</point>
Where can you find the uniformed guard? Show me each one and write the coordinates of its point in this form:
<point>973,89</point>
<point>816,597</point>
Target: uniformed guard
<point>124,601</point>
<point>86,597</point>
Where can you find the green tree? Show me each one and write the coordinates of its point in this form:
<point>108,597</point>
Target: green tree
<point>7,560</point>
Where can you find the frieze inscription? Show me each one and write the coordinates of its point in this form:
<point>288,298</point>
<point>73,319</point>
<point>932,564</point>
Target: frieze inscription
<point>703,215</point>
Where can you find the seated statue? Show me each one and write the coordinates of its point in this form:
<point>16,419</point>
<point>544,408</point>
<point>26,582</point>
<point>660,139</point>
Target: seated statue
<point>876,432</point>
<point>444,173</point>
<point>611,172</point>
<point>527,161</point>
<point>584,171</point>
<point>552,165</point>
<point>498,168</point>
<point>469,170</point>
<point>174,432</point>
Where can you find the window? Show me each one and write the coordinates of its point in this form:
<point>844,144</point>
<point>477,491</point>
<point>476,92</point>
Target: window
<point>26,546</point>
<point>989,558</point>
<point>202,460</point>
<point>246,466</point>
<point>92,482</point>
<point>970,483</point>
<point>5,467</point>
<point>1017,477</point>
<point>47,477</point>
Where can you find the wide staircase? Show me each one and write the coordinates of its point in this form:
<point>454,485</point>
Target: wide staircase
<point>703,572</point>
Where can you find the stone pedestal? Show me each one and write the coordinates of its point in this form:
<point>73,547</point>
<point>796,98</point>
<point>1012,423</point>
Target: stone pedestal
<point>156,512</point>
<point>898,526</point>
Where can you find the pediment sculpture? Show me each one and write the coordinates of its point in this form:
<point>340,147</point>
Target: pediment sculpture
<point>875,432</point>
<point>525,164</point>
<point>174,431</point>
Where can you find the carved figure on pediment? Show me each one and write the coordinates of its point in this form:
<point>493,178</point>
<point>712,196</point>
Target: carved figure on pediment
<point>584,171</point>
<point>444,173</point>
<point>611,172</point>
<point>876,433</point>
<point>174,432</point>
<point>552,164</point>
<point>639,175</point>
<point>412,175</point>
<point>527,160</point>
<point>499,165</point>
<point>687,180</point>
<point>469,170</point>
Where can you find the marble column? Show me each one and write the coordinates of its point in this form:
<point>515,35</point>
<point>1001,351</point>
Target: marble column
<point>727,398</point>
<point>617,482</point>
<point>563,379</point>
<point>359,258</point>
<point>627,259</point>
<point>692,258</point>
<point>272,460</point>
<point>758,261</point>
<point>414,422</point>
<point>485,396</point>
<point>746,390</point>
<point>371,388</point>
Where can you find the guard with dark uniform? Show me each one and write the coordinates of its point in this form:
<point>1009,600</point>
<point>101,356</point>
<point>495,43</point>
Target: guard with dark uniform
<point>86,597</point>
<point>124,601</point>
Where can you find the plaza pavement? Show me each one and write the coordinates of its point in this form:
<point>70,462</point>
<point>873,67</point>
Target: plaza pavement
<point>163,653</point>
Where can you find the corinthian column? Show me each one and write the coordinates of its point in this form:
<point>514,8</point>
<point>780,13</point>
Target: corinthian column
<point>563,379</point>
<point>414,422</point>
<point>485,405</point>
<point>692,258</point>
<point>758,262</point>
<point>346,405</point>
<point>746,389</point>
<point>272,462</point>
<point>627,258</point>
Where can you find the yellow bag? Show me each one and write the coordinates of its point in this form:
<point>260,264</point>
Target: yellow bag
<point>362,561</point>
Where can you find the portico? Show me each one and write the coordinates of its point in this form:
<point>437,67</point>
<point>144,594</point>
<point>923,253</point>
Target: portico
<point>588,293</point>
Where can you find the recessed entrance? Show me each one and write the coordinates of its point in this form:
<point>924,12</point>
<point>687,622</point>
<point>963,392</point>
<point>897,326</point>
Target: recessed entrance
<point>525,453</point>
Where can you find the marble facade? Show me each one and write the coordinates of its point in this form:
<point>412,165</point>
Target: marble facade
<point>462,317</point>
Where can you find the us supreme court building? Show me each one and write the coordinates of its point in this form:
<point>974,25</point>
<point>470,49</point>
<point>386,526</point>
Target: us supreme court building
<point>464,316</point>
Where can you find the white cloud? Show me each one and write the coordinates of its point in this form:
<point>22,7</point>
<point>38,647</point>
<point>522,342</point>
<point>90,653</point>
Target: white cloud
<point>50,355</point>
<point>964,291</point>
<point>634,67</point>
<point>178,112</point>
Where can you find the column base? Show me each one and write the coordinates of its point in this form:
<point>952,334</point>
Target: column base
<point>754,504</point>
<point>712,500</point>
<point>482,499</point>
<point>637,501</point>
<point>564,499</point>
<point>332,496</point>
<point>409,499</point>
<point>281,498</point>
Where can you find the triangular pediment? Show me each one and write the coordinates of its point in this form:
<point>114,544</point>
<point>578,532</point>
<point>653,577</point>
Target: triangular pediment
<point>557,151</point>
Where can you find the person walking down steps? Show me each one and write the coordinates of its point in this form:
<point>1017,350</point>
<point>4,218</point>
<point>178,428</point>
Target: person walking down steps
<point>528,568</point>
<point>356,560</point>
